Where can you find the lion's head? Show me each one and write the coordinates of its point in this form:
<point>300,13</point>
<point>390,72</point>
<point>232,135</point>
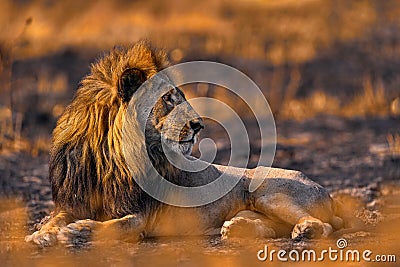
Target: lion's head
<point>171,119</point>
<point>88,171</point>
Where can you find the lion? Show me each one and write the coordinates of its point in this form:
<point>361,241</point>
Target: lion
<point>95,192</point>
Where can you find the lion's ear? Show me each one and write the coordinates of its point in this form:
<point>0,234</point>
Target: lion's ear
<point>130,81</point>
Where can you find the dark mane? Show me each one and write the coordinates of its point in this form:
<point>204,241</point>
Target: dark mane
<point>88,173</point>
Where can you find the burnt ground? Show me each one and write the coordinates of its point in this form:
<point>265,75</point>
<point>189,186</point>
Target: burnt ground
<point>350,157</point>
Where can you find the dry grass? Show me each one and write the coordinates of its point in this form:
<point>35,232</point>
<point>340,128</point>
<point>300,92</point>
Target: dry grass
<point>10,132</point>
<point>317,103</point>
<point>292,31</point>
<point>371,102</point>
<point>196,251</point>
<point>394,144</point>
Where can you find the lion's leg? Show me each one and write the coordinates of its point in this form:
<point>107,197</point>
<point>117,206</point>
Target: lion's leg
<point>130,228</point>
<point>248,224</point>
<point>47,235</point>
<point>310,227</point>
<point>305,225</point>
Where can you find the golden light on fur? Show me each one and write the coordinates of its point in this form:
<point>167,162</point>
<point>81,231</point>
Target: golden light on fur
<point>94,189</point>
<point>89,134</point>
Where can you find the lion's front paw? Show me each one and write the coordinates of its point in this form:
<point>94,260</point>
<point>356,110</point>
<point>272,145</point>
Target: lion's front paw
<point>78,232</point>
<point>240,227</point>
<point>43,237</point>
<point>311,228</point>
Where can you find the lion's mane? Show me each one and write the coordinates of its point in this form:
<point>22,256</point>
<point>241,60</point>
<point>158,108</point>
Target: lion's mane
<point>88,173</point>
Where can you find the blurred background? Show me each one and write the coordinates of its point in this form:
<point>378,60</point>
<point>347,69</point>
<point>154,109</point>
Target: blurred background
<point>309,57</point>
<point>330,70</point>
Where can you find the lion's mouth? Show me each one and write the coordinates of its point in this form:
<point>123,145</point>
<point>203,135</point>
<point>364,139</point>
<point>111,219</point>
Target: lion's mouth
<point>187,141</point>
<point>183,146</point>
<point>191,140</point>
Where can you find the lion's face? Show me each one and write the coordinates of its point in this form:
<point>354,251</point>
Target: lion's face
<point>174,122</point>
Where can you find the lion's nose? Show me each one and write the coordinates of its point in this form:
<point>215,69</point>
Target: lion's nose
<point>196,125</point>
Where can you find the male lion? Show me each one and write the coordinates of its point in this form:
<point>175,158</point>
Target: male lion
<point>95,191</point>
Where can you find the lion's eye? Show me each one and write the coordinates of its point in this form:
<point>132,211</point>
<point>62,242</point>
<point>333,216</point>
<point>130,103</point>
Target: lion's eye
<point>168,99</point>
